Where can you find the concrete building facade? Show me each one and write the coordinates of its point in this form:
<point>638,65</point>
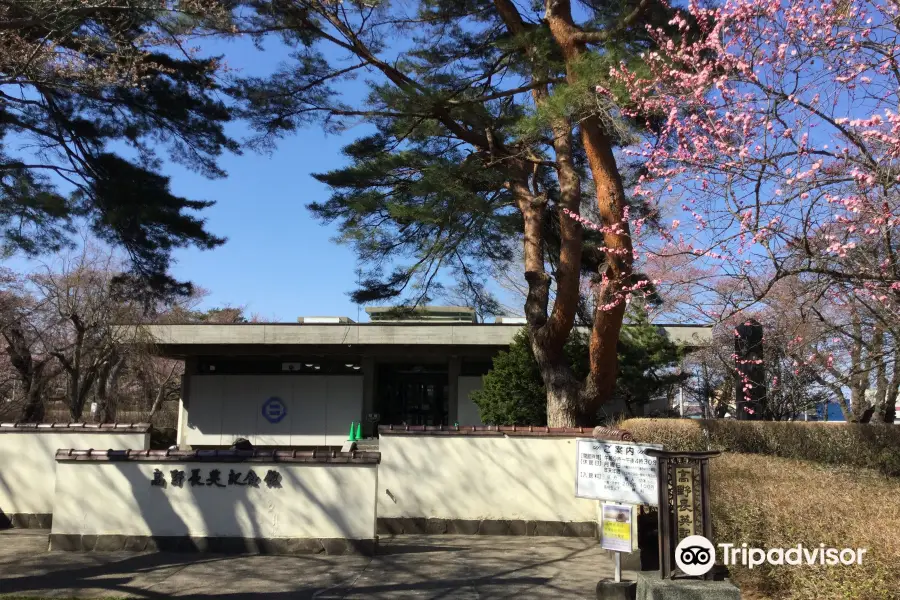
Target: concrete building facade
<point>302,384</point>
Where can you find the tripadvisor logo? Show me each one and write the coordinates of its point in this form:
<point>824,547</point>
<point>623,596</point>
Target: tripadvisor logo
<point>695,555</point>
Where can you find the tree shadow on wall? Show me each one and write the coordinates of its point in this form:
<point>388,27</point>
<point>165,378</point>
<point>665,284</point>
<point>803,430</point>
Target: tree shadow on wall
<point>499,479</point>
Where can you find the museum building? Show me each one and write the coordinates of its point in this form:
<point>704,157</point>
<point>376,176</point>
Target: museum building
<point>300,385</point>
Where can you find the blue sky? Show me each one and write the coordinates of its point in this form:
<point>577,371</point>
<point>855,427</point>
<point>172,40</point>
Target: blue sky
<point>278,261</point>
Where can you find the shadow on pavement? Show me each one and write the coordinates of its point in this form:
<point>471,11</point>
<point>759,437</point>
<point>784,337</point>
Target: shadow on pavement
<point>435,569</point>
<point>392,549</point>
<point>102,575</point>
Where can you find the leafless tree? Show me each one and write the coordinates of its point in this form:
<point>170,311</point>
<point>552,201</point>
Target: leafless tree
<point>24,330</point>
<point>67,320</point>
<point>79,296</point>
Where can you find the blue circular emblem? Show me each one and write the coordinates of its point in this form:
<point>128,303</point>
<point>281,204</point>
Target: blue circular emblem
<point>274,410</point>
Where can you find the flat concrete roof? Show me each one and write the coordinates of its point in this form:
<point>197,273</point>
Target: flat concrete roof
<point>421,310</point>
<point>197,339</point>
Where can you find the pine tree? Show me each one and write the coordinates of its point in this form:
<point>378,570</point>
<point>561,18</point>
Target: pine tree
<point>89,92</point>
<point>487,133</point>
<point>513,393</point>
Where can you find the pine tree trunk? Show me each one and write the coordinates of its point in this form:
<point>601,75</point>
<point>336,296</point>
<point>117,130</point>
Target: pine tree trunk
<point>548,332</point>
<point>611,204</point>
<point>563,391</point>
<point>549,329</point>
<point>559,407</point>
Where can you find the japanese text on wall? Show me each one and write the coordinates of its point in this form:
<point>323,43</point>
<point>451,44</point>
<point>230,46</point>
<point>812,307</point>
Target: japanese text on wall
<point>214,478</point>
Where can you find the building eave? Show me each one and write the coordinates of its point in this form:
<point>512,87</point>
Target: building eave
<point>202,339</point>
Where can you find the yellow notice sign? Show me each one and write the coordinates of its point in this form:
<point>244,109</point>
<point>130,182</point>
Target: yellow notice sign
<point>615,527</point>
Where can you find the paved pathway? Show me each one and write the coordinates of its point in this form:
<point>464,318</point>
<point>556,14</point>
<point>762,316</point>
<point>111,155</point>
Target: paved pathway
<point>435,567</point>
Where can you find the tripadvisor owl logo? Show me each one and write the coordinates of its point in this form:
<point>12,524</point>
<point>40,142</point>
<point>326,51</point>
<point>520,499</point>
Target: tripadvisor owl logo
<point>695,555</point>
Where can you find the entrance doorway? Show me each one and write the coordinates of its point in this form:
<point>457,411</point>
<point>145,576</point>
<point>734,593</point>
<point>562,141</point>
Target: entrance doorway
<point>413,395</point>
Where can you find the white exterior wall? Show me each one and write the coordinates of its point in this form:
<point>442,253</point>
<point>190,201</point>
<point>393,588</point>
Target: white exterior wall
<point>480,477</point>
<point>28,463</point>
<point>315,501</point>
<point>319,409</point>
<point>468,413</point>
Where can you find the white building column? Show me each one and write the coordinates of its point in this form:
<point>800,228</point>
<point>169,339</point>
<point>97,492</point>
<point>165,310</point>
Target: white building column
<point>184,402</point>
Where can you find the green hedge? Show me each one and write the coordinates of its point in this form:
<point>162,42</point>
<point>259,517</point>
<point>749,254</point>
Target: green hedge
<point>848,444</point>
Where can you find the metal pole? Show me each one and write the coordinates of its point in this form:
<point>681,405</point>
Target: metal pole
<point>681,401</point>
<point>618,576</point>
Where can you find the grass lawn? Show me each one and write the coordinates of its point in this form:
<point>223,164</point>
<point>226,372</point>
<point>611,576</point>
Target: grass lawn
<point>771,502</point>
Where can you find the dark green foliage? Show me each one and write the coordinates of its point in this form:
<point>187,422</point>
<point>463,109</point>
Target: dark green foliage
<point>79,145</point>
<point>32,214</point>
<point>513,392</point>
<point>432,201</point>
<point>131,206</point>
<point>646,358</point>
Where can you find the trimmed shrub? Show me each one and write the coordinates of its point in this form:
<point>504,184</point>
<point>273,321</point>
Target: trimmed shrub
<point>674,434</point>
<point>779,484</point>
<point>848,444</point>
<point>768,502</point>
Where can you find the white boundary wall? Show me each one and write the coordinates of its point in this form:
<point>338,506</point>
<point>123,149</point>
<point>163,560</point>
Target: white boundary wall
<point>480,477</point>
<point>28,459</point>
<point>322,501</point>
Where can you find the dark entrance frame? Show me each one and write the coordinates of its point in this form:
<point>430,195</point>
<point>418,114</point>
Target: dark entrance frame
<point>413,394</point>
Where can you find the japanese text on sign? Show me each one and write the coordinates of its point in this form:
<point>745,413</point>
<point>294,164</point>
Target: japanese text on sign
<point>684,501</point>
<point>214,478</point>
<point>616,471</point>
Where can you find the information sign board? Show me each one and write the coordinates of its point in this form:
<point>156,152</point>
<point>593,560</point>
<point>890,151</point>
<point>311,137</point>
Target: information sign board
<point>616,472</point>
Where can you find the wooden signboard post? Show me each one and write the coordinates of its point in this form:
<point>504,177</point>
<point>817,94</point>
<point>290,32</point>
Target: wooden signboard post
<point>683,487</point>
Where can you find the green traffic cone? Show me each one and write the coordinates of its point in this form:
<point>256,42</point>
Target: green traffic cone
<point>358,431</point>
<point>350,435</point>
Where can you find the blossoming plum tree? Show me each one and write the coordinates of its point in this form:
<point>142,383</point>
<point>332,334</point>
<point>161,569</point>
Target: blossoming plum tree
<point>777,142</point>
<point>774,152</point>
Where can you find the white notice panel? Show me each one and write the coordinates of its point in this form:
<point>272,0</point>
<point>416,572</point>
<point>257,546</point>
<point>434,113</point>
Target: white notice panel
<point>616,472</point>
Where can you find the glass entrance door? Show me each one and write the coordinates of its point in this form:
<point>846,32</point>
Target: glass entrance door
<point>413,395</point>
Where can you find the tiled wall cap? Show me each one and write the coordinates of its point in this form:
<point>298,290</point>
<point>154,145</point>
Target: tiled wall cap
<point>611,434</point>
<point>477,430</point>
<point>263,456</point>
<point>74,427</point>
